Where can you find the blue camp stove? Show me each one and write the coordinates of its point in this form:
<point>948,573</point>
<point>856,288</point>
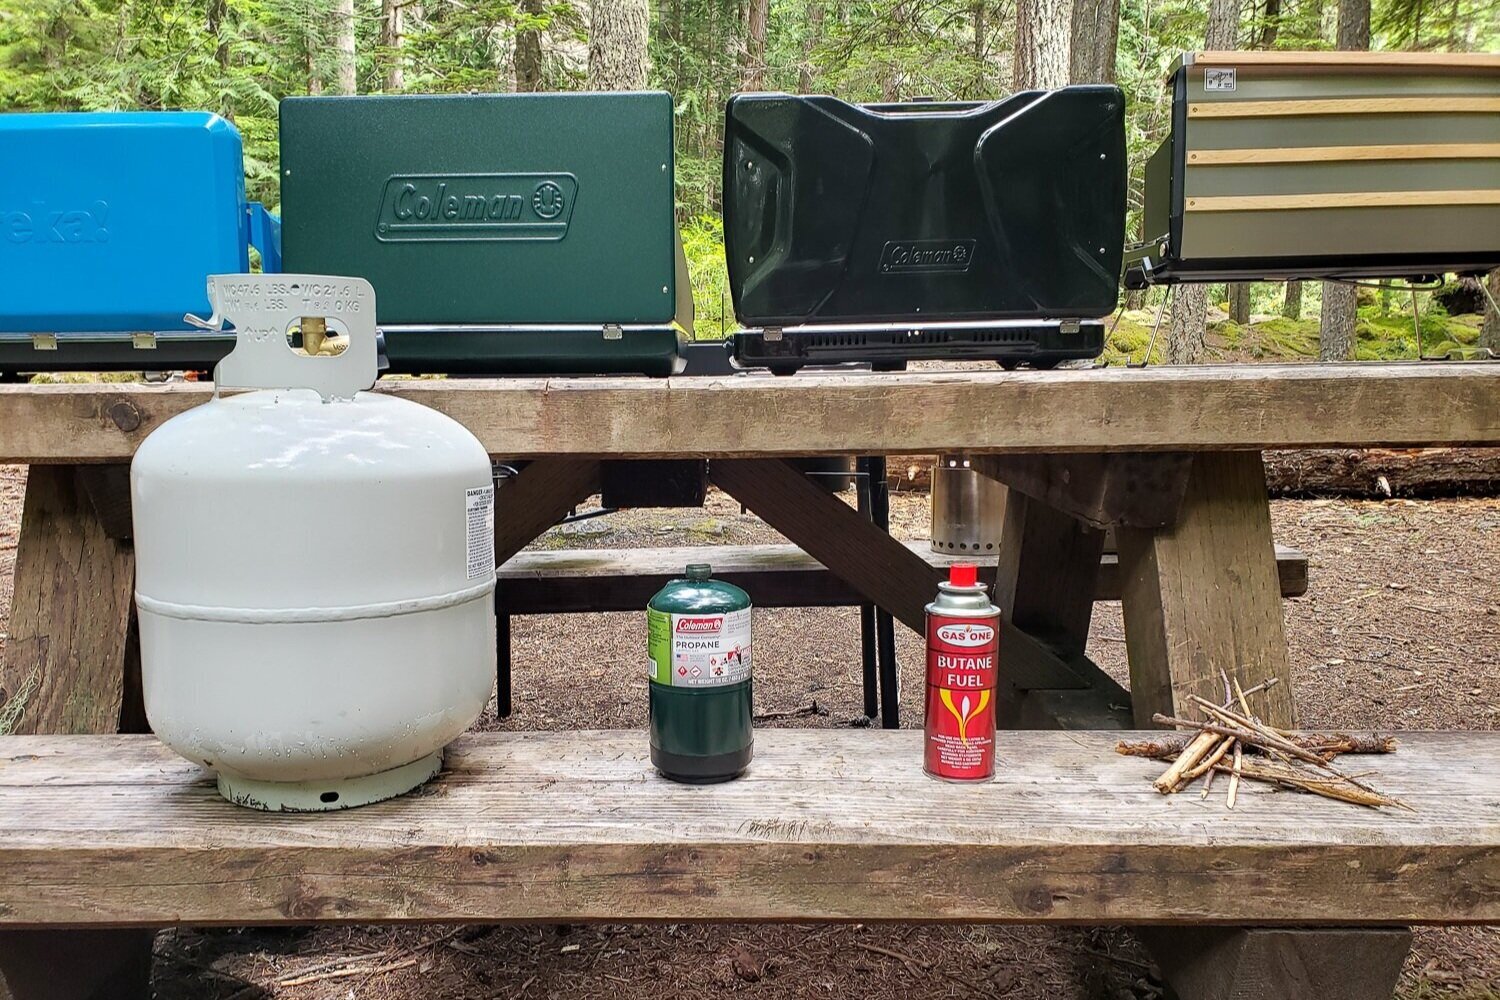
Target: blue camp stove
<point>110,224</point>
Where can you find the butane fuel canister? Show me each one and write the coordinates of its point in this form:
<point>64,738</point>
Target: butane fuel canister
<point>963,646</point>
<point>698,638</point>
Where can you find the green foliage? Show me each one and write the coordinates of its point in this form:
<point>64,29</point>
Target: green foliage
<point>703,246</point>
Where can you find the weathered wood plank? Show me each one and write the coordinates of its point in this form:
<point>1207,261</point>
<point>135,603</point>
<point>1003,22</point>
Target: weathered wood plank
<point>561,581</point>
<point>1186,408</point>
<point>65,660</point>
<point>1103,490</point>
<point>531,502</point>
<point>1201,597</point>
<point>827,825</point>
<point>1044,585</point>
<point>1436,63</point>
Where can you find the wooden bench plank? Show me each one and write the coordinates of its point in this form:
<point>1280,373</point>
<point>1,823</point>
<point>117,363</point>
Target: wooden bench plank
<point>1187,408</point>
<point>565,581</point>
<point>827,825</point>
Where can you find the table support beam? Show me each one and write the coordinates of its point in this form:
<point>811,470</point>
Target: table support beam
<point>893,576</point>
<point>526,505</point>
<point>77,964</point>
<point>1233,963</point>
<point>1104,489</point>
<point>532,501</point>
<point>65,661</point>
<point>1044,585</point>
<point>1202,596</point>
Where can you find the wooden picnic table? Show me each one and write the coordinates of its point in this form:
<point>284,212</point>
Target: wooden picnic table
<point>1170,458</point>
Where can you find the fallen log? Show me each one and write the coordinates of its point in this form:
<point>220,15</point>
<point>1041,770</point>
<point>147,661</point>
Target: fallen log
<point>1384,472</point>
<point>1330,472</point>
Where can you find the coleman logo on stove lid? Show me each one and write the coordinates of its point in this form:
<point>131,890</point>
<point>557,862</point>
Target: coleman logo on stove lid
<point>926,256</point>
<point>475,207</point>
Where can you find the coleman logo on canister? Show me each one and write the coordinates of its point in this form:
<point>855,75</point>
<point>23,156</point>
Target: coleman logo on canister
<point>962,662</point>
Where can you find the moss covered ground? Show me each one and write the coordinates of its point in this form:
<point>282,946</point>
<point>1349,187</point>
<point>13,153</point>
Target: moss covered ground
<point>1380,336</point>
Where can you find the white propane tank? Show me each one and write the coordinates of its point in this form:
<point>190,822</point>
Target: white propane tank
<point>314,563</point>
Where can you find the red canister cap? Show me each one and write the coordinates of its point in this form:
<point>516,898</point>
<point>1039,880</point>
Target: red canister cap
<point>963,574</point>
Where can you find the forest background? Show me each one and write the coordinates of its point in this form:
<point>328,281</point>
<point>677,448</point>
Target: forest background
<point>240,57</point>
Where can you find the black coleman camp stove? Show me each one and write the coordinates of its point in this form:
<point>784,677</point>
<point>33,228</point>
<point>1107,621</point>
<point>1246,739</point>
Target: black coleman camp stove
<point>888,233</point>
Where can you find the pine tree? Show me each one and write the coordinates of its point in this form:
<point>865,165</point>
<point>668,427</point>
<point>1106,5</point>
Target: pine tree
<point>1185,337</point>
<point>1043,38</point>
<point>618,35</point>
<point>1339,314</point>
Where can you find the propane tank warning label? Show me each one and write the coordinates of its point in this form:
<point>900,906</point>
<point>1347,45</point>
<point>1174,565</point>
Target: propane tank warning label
<point>479,530</point>
<point>698,650</point>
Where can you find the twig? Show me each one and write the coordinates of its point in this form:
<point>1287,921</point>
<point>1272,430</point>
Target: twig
<point>1278,742</point>
<point>1330,788</point>
<point>315,973</point>
<point>345,973</point>
<point>1234,775</point>
<point>794,713</point>
<point>1243,735</point>
<point>1326,744</point>
<point>905,959</point>
<point>1209,761</point>
<point>1195,751</point>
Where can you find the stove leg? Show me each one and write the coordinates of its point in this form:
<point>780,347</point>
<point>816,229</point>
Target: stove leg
<point>502,659</point>
<point>885,626</point>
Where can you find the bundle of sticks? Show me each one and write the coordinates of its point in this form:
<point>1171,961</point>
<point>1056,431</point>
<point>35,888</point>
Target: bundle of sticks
<point>1232,740</point>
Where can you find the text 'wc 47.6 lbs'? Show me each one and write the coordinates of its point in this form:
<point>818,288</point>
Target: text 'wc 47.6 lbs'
<point>315,563</point>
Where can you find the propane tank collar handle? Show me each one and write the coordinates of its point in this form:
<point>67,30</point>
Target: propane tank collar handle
<point>263,308</point>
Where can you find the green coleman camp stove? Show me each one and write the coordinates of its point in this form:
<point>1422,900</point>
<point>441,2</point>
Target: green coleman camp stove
<point>503,233</point>
<point>698,635</point>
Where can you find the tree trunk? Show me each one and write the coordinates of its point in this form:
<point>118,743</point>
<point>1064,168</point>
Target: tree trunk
<point>391,32</point>
<point>976,53</point>
<point>1407,472</point>
<point>1336,323</point>
<point>1291,305</point>
<point>528,56</point>
<point>1189,322</point>
<point>1185,337</point>
<point>1337,318</point>
<point>1239,302</point>
<point>1354,24</point>
<point>1096,32</point>
<point>1223,33</point>
<point>344,80</point>
<point>1044,35</point>
<point>618,59</point>
<point>810,43</point>
<point>753,69</point>
<point>1270,26</point>
<point>1489,333</point>
<point>217,10</point>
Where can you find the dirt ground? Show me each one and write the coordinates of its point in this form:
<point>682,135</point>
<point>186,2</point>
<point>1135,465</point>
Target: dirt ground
<point>1400,630</point>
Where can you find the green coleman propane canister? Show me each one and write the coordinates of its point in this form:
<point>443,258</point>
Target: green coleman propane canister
<point>698,638</point>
